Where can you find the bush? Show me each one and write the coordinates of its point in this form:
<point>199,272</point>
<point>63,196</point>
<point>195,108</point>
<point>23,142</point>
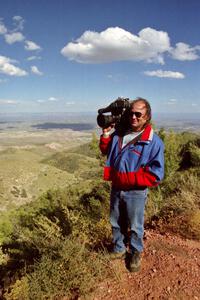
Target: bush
<point>190,154</point>
<point>172,205</point>
<point>75,273</point>
<point>52,230</point>
<point>154,204</point>
<point>193,221</point>
<point>172,143</point>
<point>19,291</point>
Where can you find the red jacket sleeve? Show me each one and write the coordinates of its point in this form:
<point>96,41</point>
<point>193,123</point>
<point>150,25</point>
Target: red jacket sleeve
<point>145,178</point>
<point>104,144</point>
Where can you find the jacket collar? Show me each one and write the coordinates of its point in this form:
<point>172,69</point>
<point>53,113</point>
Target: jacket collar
<point>147,134</point>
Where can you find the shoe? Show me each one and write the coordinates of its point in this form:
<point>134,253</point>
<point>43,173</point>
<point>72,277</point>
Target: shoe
<point>118,255</point>
<point>135,262</point>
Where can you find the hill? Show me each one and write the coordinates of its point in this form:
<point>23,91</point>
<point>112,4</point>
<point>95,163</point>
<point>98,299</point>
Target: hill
<point>32,165</point>
<point>58,245</point>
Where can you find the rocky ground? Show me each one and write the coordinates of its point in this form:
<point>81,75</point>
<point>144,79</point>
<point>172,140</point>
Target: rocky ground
<point>170,270</point>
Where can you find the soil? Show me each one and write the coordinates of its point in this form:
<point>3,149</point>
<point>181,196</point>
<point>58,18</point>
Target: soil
<point>170,270</point>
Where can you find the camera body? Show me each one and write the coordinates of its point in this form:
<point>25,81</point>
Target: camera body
<point>119,110</point>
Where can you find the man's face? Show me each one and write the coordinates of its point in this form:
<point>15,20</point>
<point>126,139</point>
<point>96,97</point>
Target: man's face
<point>138,116</point>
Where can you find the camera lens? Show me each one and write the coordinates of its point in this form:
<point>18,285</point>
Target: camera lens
<point>105,121</point>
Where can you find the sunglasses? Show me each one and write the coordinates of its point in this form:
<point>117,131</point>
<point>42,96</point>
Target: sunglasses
<point>136,113</point>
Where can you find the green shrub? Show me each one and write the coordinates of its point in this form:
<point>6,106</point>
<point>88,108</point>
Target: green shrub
<point>88,149</point>
<point>6,227</point>
<point>19,291</point>
<point>39,230</point>
<point>155,203</point>
<point>3,257</point>
<point>193,221</point>
<point>172,142</point>
<point>74,274</point>
<point>190,153</point>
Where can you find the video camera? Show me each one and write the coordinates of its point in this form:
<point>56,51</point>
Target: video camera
<point>118,109</point>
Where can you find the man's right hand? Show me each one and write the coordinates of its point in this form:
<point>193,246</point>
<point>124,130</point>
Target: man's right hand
<point>107,131</point>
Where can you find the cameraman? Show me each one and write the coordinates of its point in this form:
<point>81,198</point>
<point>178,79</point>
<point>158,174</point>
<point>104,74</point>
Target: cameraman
<point>135,161</point>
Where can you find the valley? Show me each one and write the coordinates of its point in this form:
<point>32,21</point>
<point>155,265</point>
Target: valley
<point>25,172</point>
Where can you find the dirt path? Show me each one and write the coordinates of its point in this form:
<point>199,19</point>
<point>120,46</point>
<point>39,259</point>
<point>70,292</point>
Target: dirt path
<point>170,270</point>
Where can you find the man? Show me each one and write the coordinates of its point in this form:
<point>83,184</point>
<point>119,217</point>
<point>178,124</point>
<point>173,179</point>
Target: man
<point>135,161</point>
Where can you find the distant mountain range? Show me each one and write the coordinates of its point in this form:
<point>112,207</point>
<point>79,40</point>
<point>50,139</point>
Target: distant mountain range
<point>87,121</point>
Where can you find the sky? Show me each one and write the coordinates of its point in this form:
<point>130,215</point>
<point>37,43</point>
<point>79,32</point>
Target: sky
<point>80,55</point>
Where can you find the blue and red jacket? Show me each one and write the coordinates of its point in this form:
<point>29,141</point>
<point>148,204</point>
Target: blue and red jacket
<point>139,164</point>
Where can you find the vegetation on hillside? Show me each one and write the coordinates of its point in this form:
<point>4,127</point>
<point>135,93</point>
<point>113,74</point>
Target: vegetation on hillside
<point>26,173</point>
<point>57,245</point>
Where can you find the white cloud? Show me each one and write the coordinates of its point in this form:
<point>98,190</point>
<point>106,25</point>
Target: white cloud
<point>14,37</point>
<point>183,52</point>
<point>36,71</point>
<point>116,44</point>
<point>33,58</point>
<point>165,74</point>
<point>7,67</point>
<point>17,18</point>
<point>41,101</point>
<point>3,29</point>
<point>172,102</point>
<point>8,101</point>
<point>18,22</point>
<point>31,46</point>
<point>52,99</point>
<point>159,59</point>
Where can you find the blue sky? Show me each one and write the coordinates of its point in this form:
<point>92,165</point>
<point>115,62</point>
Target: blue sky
<point>80,55</point>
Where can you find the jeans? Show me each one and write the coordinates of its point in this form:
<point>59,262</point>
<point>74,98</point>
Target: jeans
<point>127,211</point>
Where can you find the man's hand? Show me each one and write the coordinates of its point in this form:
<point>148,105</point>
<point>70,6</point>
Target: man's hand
<point>107,131</point>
